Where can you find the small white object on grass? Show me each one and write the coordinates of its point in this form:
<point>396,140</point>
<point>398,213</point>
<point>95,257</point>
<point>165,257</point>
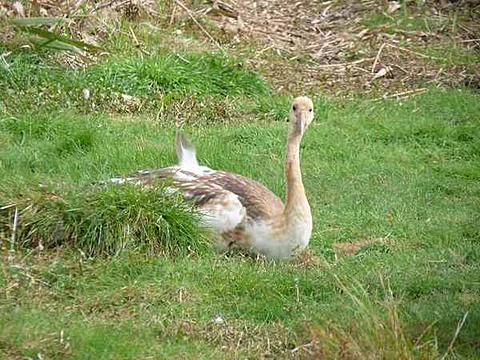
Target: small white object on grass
<point>381,73</point>
<point>18,7</point>
<point>393,6</point>
<point>86,94</point>
<point>218,319</point>
<point>127,98</point>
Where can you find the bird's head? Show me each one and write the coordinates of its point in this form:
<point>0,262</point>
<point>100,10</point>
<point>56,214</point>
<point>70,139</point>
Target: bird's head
<point>301,115</point>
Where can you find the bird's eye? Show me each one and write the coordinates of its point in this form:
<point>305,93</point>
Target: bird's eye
<point>294,108</point>
<point>310,110</point>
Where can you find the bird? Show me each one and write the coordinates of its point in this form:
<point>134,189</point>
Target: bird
<point>241,213</point>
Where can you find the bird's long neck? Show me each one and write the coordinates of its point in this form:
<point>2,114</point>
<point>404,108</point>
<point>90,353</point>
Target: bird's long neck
<point>297,208</point>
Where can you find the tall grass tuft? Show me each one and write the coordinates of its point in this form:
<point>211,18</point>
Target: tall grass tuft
<point>376,331</point>
<point>108,219</point>
<point>201,74</point>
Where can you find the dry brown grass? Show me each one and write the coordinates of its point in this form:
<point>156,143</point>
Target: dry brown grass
<point>328,45</point>
<point>376,331</point>
<point>334,46</point>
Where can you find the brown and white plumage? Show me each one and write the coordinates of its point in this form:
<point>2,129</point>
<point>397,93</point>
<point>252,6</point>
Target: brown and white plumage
<point>240,211</point>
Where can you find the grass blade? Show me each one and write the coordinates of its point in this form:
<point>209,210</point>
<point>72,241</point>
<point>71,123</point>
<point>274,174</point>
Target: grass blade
<point>51,36</point>
<point>56,45</point>
<point>37,21</point>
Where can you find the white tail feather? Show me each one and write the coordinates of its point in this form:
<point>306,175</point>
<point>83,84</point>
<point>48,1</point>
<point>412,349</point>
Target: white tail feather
<point>187,158</point>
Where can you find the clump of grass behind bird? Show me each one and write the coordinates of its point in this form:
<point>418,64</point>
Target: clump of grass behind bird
<point>108,219</point>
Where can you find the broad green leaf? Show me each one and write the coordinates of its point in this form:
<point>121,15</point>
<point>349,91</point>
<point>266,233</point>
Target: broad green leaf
<point>56,45</point>
<point>57,37</point>
<point>37,21</point>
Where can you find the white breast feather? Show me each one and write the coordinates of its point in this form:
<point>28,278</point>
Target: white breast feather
<point>224,213</point>
<point>268,243</point>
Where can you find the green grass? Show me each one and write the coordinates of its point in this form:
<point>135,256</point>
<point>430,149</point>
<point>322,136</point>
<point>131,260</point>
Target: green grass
<point>403,172</point>
<point>125,273</point>
<point>412,17</point>
<point>31,81</point>
<point>106,220</point>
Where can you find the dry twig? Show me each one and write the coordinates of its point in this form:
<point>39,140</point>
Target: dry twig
<point>457,331</point>
<point>198,24</point>
<point>344,64</point>
<point>377,58</point>
<point>414,52</point>
<point>403,94</point>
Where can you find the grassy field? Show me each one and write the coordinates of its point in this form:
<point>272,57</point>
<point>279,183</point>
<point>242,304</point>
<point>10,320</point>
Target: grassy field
<point>392,271</point>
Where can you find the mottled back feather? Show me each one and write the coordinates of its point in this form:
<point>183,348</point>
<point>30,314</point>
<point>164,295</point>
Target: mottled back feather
<point>259,201</point>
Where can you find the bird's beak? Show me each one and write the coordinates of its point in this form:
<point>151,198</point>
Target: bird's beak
<point>302,121</point>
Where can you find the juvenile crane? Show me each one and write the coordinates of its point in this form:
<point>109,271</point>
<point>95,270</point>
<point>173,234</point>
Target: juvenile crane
<point>241,212</point>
